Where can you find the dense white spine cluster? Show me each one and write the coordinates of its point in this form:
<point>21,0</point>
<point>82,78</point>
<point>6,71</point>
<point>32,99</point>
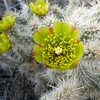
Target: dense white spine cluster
<point>65,90</point>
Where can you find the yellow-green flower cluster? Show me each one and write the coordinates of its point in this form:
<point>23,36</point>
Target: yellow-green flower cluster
<point>5,43</point>
<point>58,47</point>
<point>6,24</point>
<point>40,7</point>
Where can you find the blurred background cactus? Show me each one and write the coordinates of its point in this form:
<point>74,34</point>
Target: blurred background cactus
<point>23,78</point>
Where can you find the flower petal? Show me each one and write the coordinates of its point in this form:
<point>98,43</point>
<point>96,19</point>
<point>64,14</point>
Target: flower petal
<point>40,2</point>
<point>11,20</point>
<point>59,68</point>
<point>38,54</point>
<point>32,7</point>
<point>75,33</point>
<point>61,28</point>
<point>79,51</point>
<point>41,34</point>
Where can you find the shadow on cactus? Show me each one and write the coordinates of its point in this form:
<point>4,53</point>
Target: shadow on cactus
<point>58,47</point>
<point>7,23</point>
<point>40,7</point>
<point>5,43</point>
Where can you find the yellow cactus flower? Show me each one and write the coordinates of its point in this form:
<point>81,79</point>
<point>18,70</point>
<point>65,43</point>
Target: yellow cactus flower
<point>7,23</point>
<point>5,43</point>
<point>40,7</point>
<point>58,47</point>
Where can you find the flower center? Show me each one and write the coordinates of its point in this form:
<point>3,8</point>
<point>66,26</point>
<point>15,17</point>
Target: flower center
<point>58,50</point>
<point>39,6</point>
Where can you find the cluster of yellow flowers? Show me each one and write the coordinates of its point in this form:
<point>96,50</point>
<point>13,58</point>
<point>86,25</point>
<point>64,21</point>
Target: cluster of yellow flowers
<point>6,24</point>
<point>58,47</point>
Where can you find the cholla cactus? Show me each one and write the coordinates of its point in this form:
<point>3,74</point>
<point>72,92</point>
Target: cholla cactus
<point>7,23</point>
<point>59,47</point>
<point>40,8</point>
<point>84,16</point>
